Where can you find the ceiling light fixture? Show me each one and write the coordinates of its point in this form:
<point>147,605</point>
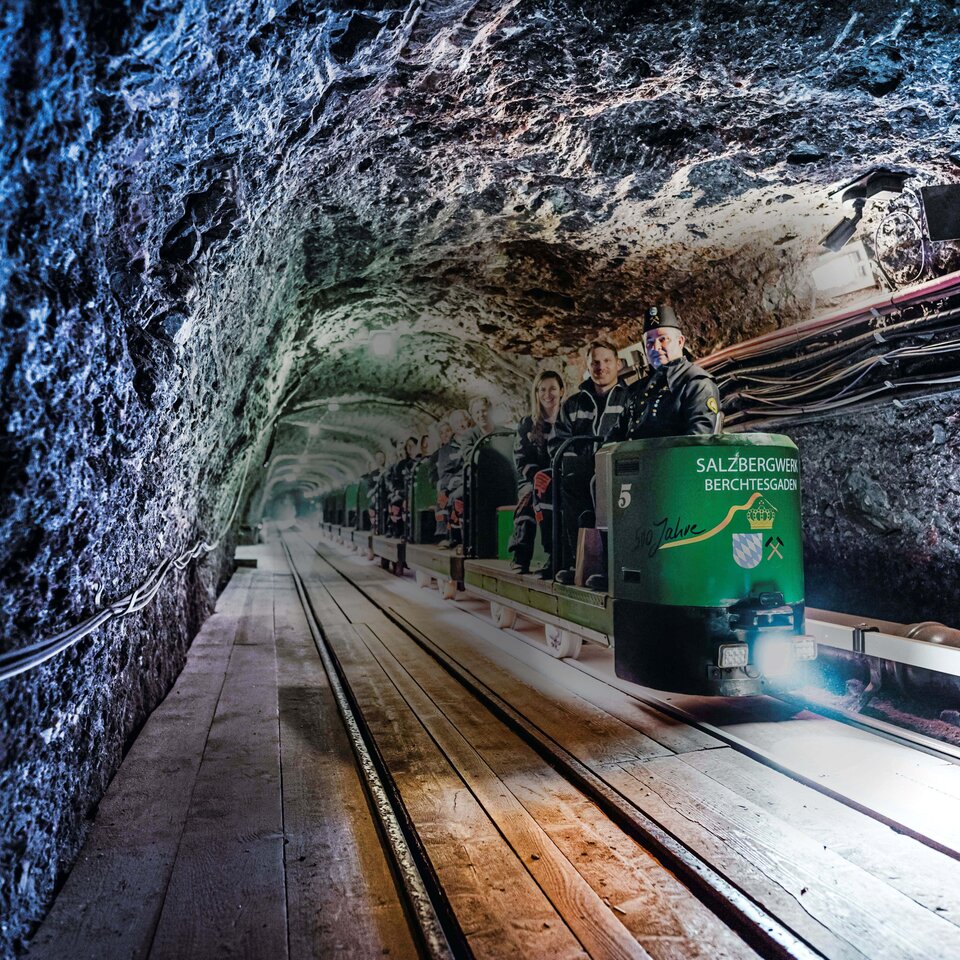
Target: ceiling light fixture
<point>843,272</point>
<point>382,343</point>
<point>841,234</point>
<point>878,182</point>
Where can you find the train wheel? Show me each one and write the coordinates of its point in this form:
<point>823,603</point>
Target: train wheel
<point>563,643</point>
<point>502,616</point>
<point>423,578</point>
<point>449,589</point>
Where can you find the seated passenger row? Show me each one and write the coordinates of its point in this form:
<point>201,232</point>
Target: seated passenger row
<point>671,397</point>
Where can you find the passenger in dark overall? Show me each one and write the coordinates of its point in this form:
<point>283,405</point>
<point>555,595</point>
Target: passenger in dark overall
<point>594,409</point>
<point>482,415</point>
<point>677,398</point>
<point>532,461</point>
<point>372,479</point>
<point>390,489</point>
<point>481,423</point>
<point>450,469</point>
<point>442,457</point>
<point>397,484</point>
<point>427,447</point>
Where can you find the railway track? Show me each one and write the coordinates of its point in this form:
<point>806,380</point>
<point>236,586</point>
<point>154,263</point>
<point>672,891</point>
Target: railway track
<point>761,932</point>
<point>755,749</point>
<point>772,915</point>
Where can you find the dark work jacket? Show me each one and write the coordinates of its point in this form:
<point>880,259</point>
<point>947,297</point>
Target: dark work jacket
<point>370,484</point>
<point>676,400</point>
<point>586,412</point>
<point>528,457</point>
<point>397,479</point>
<point>449,465</point>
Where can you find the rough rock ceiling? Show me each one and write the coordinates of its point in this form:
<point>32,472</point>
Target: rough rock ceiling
<point>212,208</point>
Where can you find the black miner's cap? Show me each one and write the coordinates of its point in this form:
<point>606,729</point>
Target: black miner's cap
<point>661,315</point>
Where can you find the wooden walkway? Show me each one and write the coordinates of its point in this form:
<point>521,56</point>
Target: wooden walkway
<point>238,825</point>
<point>845,883</point>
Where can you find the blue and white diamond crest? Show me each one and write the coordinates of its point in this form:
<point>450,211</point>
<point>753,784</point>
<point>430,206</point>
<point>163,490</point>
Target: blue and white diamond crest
<point>747,549</point>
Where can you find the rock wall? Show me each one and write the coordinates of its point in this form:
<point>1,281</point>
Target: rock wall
<point>211,210</point>
<point>881,503</point>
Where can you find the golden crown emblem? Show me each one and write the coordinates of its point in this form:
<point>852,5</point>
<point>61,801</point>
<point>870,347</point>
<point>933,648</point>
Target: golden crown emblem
<point>761,515</point>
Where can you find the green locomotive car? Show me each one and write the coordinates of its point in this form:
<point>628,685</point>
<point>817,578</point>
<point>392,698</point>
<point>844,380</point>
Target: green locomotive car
<point>705,560</point>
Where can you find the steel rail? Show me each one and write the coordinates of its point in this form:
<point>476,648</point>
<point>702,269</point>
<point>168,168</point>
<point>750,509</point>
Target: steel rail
<point>881,728</point>
<point>409,859</point>
<point>756,753</point>
<point>923,654</point>
<point>746,917</point>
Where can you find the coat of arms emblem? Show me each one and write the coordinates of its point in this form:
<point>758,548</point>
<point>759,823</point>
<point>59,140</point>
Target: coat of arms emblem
<point>747,549</point>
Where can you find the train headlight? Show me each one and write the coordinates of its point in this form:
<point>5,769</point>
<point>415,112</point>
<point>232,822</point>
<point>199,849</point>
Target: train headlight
<point>805,648</point>
<point>775,656</point>
<point>733,655</point>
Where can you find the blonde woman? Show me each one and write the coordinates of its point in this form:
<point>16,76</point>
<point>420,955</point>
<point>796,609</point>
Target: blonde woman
<point>533,466</point>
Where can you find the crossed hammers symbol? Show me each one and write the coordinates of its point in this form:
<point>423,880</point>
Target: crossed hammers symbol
<point>774,548</point>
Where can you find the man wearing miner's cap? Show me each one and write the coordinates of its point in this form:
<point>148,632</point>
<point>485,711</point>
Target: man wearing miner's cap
<point>677,398</point>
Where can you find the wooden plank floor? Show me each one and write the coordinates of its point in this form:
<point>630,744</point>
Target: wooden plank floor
<point>862,891</point>
<point>532,867</point>
<point>237,824</point>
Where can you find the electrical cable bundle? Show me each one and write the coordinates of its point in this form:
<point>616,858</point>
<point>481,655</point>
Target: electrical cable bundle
<point>898,346</point>
<point>19,661</point>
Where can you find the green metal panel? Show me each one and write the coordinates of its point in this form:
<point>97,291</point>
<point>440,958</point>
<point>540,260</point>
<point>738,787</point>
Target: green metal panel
<point>513,591</point>
<point>430,558</point>
<point>423,502</point>
<point>584,609</point>
<point>504,532</point>
<point>705,521</point>
<point>388,548</point>
<point>351,504</point>
<point>542,600</point>
<point>333,506</point>
<point>491,483</point>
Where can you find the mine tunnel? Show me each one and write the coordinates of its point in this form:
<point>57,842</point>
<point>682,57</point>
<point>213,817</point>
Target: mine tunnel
<point>250,247</point>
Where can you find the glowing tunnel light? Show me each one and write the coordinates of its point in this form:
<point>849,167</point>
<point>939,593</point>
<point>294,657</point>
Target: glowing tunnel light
<point>383,343</point>
<point>774,657</point>
<point>778,655</point>
<point>844,272</point>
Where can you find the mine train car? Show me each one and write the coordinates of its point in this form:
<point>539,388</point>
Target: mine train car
<point>703,557</point>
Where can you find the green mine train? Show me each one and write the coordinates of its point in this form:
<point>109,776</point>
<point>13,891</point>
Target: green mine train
<point>703,553</point>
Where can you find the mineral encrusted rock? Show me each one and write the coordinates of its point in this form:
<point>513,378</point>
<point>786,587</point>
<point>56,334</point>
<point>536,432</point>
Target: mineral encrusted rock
<point>209,209</point>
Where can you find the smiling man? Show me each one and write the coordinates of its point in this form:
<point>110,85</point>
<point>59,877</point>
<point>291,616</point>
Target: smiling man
<point>592,411</point>
<point>677,398</point>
